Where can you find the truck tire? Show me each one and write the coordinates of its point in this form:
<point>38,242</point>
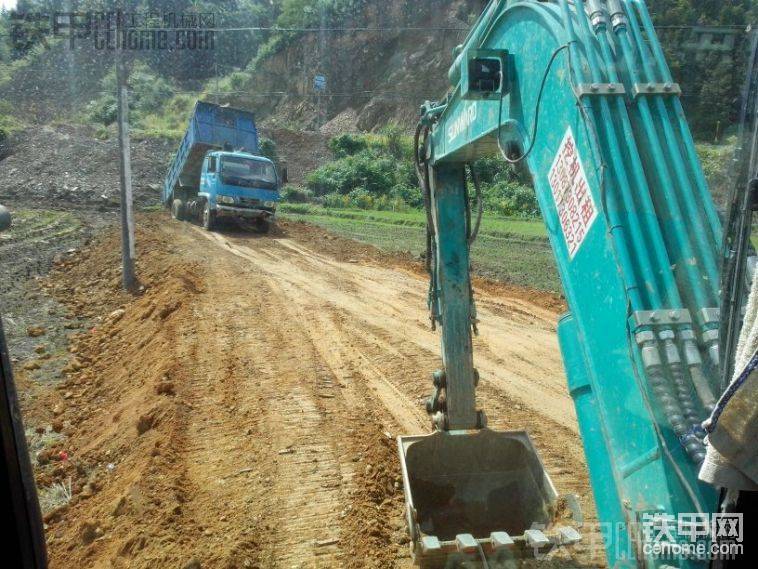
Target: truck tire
<point>209,217</point>
<point>262,225</point>
<point>178,210</point>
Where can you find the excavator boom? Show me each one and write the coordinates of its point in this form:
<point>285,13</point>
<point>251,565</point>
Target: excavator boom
<point>579,92</point>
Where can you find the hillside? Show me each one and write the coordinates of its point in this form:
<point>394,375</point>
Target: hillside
<point>374,76</point>
<point>380,59</point>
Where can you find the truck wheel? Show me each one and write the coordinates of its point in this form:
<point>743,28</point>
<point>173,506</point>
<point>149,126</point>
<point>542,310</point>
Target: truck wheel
<point>262,225</point>
<point>209,217</point>
<point>178,210</point>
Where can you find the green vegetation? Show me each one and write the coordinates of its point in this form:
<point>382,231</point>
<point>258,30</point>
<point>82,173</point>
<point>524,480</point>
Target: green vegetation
<point>711,79</point>
<point>8,124</point>
<point>496,225</point>
<point>375,172</point>
<point>511,250</point>
<point>148,95</point>
<point>716,160</point>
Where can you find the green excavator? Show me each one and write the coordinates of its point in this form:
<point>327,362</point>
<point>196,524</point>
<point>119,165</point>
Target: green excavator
<point>579,93</point>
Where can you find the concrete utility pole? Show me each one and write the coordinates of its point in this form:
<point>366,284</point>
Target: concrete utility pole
<point>127,215</point>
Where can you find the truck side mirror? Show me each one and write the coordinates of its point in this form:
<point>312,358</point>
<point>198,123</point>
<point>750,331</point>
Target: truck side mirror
<point>5,218</point>
<point>284,175</point>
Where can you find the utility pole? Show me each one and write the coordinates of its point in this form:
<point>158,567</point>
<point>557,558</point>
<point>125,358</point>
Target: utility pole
<point>127,215</point>
<point>215,71</point>
<point>321,99</point>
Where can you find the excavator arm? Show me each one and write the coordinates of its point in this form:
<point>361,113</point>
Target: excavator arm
<point>580,93</point>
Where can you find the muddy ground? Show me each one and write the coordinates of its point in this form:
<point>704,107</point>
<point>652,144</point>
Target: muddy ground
<point>241,411</point>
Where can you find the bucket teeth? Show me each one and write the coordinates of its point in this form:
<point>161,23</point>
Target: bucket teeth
<point>535,538</point>
<point>430,544</point>
<point>501,539</point>
<point>569,535</point>
<point>465,542</point>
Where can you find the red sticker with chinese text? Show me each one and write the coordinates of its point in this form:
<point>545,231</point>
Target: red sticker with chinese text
<point>572,195</point>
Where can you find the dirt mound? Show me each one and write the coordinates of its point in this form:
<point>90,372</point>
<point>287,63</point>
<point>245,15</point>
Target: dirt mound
<point>304,151</point>
<point>66,166</point>
<point>133,447</point>
<point>114,411</point>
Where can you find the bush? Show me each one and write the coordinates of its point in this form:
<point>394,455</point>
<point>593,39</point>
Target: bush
<point>367,170</point>
<point>8,125</point>
<point>510,199</point>
<point>397,143</point>
<point>267,148</point>
<point>296,194</point>
<point>148,94</point>
<point>375,171</point>
<point>716,160</point>
<point>337,201</point>
<point>348,144</point>
<point>104,110</point>
<point>411,196</point>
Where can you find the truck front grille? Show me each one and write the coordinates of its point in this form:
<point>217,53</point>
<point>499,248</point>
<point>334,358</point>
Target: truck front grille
<point>249,202</point>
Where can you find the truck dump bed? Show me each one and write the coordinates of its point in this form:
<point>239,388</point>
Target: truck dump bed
<point>210,127</point>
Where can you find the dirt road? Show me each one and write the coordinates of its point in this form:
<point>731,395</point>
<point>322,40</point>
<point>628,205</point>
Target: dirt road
<point>242,411</point>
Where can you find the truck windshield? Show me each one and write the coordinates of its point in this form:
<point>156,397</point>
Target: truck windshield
<point>236,169</point>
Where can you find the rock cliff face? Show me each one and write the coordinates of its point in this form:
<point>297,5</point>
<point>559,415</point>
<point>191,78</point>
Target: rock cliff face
<point>381,73</point>
<point>380,64</point>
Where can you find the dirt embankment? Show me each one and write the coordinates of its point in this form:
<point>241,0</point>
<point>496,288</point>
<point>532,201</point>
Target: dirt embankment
<point>303,151</point>
<point>241,411</point>
<point>187,438</point>
<point>65,166</point>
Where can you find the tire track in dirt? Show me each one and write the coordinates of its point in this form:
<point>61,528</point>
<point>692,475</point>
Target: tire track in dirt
<point>292,374</point>
<point>314,433</point>
<point>374,320</point>
<point>519,357</point>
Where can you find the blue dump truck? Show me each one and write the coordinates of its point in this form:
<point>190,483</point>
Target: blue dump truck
<point>218,171</point>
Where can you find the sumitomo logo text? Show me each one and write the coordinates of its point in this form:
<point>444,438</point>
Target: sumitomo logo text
<point>462,122</point>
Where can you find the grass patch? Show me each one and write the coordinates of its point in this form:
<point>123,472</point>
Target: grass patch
<point>55,496</point>
<point>28,221</point>
<point>511,250</point>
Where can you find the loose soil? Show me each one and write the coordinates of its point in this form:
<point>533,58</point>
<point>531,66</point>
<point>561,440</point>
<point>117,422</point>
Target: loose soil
<point>66,166</point>
<point>241,410</point>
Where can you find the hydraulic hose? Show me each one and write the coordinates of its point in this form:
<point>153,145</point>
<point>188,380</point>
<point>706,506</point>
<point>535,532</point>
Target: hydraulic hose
<point>669,109</point>
<point>689,143</point>
<point>668,396</point>
<point>650,220</point>
<point>617,228</point>
<point>668,401</point>
<point>479,205</point>
<point>618,167</point>
<point>422,172</point>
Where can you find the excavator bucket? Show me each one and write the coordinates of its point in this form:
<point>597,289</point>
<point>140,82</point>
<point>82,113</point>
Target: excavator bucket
<point>478,493</point>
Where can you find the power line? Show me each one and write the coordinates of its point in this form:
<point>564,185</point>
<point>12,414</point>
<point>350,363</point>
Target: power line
<point>277,29</point>
<point>283,93</point>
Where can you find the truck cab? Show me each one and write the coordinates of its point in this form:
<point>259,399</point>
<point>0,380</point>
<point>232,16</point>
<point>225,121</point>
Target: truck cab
<point>239,185</point>
<point>218,171</point>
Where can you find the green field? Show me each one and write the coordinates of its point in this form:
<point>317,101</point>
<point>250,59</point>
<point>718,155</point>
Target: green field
<point>511,250</point>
